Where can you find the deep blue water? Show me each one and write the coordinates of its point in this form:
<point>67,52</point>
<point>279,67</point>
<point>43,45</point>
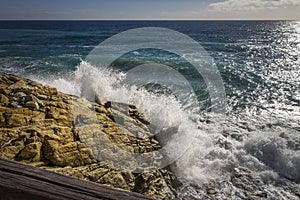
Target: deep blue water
<point>258,60</point>
<point>259,65</point>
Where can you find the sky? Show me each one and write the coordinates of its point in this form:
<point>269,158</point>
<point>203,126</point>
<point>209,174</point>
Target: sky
<point>149,9</point>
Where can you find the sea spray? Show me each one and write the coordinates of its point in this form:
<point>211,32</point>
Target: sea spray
<point>169,121</point>
<point>262,144</point>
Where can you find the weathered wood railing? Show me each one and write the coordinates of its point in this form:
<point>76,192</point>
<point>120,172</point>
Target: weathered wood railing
<point>20,181</point>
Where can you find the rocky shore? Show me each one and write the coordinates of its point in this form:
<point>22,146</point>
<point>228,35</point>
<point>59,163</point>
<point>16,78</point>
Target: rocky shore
<point>43,127</point>
<point>38,126</point>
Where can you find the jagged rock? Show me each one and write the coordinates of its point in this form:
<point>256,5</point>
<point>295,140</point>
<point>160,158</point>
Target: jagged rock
<point>71,154</point>
<point>11,143</point>
<point>19,95</point>
<point>32,105</point>
<point>52,90</point>
<point>42,97</point>
<point>153,184</point>
<point>37,117</point>
<point>46,128</point>
<point>15,120</point>
<point>100,173</point>
<point>31,152</point>
<point>4,91</point>
<point>4,100</point>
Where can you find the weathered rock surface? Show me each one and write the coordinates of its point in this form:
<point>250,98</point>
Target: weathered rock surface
<point>46,128</point>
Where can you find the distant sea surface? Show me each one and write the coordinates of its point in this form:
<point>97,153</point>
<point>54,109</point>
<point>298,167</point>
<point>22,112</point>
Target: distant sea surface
<point>259,62</point>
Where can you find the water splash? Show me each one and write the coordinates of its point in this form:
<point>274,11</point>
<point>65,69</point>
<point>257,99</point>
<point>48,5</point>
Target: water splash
<point>266,143</point>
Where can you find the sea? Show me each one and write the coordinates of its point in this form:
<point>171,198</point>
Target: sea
<point>257,62</point>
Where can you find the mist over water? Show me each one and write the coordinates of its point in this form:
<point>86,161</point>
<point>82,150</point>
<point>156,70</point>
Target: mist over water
<point>259,64</point>
<point>266,144</point>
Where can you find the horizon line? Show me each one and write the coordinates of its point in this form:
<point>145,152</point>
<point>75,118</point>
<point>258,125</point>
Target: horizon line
<point>149,19</point>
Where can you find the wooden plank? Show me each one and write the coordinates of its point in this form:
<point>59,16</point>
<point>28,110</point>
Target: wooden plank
<point>20,181</point>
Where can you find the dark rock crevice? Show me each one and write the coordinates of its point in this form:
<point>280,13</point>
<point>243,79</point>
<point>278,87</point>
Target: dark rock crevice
<point>39,126</point>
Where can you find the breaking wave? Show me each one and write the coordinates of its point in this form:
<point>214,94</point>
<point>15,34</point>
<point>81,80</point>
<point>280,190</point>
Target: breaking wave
<point>266,144</point>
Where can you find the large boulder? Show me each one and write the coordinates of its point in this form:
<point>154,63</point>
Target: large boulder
<point>46,128</point>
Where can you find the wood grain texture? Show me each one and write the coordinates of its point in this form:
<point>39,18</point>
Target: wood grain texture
<point>20,181</point>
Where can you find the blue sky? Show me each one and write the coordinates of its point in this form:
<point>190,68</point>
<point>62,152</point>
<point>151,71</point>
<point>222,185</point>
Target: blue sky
<point>150,9</point>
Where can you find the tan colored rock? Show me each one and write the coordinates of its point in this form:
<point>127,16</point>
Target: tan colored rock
<point>7,136</point>
<point>22,111</point>
<point>52,91</point>
<point>42,97</point>
<point>2,120</point>
<point>59,133</point>
<point>10,151</point>
<point>18,85</point>
<point>46,128</point>
<point>38,117</point>
<point>49,122</point>
<point>32,105</point>
<point>118,180</point>
<point>4,91</point>
<point>63,105</point>
<point>16,120</point>
<point>70,154</point>
<point>3,109</point>
<point>153,184</point>
<point>18,97</point>
<point>13,78</point>
<point>4,100</point>
<point>31,152</point>
<point>48,134</point>
<point>55,113</point>
<point>22,86</point>
<point>64,120</point>
<point>37,164</point>
<point>31,98</point>
<point>100,173</point>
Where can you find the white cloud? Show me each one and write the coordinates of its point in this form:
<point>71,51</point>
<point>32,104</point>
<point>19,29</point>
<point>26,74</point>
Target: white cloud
<point>251,5</point>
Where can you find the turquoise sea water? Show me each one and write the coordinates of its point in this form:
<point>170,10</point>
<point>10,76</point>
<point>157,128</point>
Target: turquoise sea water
<point>254,57</point>
<point>259,64</point>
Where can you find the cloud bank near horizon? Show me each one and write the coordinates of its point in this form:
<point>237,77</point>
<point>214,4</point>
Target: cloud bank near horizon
<point>155,9</point>
<point>278,9</point>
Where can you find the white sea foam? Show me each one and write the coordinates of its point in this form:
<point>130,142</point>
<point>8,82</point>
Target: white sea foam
<point>259,143</point>
<point>164,112</point>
